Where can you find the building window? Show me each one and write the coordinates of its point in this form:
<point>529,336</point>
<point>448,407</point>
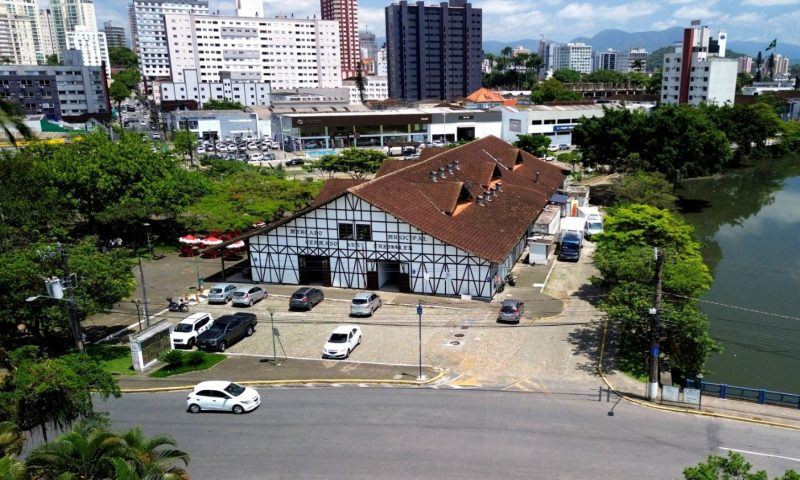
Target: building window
<point>363,232</point>
<point>345,231</point>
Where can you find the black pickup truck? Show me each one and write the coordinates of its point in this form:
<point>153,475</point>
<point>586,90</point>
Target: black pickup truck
<point>226,330</point>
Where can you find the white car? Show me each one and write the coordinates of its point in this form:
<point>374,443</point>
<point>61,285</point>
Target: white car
<point>553,148</point>
<point>222,396</point>
<point>256,157</point>
<point>342,341</point>
<point>185,333</point>
<point>201,149</point>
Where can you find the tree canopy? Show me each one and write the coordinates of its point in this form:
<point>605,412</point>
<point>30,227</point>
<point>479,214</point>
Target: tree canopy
<point>222,105</point>
<point>732,467</point>
<point>122,57</point>
<point>552,90</point>
<point>533,144</point>
<point>566,75</point>
<point>354,162</point>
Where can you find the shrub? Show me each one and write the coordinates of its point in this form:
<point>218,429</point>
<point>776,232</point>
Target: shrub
<point>195,358</point>
<point>173,358</point>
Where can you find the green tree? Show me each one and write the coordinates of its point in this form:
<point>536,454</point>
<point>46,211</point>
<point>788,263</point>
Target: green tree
<point>354,162</point>
<point>552,90</point>
<point>566,75</point>
<point>647,188</point>
<point>574,160</point>
<point>533,144</point>
<point>605,76</point>
<point>88,457</point>
<point>12,116</point>
<point>52,60</point>
<point>743,79</point>
<point>122,57</point>
<point>732,467</point>
<point>624,257</point>
<point>52,393</point>
<point>119,92</point>
<point>154,456</point>
<point>128,77</point>
<point>11,439</point>
<point>222,105</point>
<point>654,84</point>
<point>185,143</point>
<point>11,469</point>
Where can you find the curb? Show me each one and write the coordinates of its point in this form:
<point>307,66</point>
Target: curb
<point>628,398</point>
<point>328,381</point>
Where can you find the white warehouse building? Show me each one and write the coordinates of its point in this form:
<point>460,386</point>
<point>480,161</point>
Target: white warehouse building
<point>249,94</point>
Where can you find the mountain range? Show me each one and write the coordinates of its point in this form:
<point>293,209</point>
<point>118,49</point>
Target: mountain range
<point>652,40</point>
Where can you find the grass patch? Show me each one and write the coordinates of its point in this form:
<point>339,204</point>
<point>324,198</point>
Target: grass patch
<point>633,366</point>
<point>114,359</point>
<point>209,360</point>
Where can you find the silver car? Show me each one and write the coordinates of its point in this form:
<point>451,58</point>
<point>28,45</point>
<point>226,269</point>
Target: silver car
<point>365,303</point>
<point>248,295</point>
<point>221,293</point>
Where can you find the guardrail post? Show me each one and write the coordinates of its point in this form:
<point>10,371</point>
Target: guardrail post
<point>723,390</point>
<point>761,396</point>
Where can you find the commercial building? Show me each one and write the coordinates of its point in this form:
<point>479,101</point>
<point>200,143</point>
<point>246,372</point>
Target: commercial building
<point>67,14</point>
<point>246,93</point>
<point>547,51</point>
<point>553,121</point>
<point>423,63</point>
<point>286,52</point>
<point>150,34</point>
<point>428,227</point>
<point>573,56</point>
<point>369,52</point>
<point>632,60</point>
<point>115,36</point>
<point>346,13</point>
<point>91,44</point>
<point>214,124</point>
<point>744,64</point>
<point>16,37</point>
<point>606,60</point>
<point>697,71</point>
<point>72,92</point>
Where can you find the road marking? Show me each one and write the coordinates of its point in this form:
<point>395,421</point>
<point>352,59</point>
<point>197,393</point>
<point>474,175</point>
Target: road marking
<point>516,384</point>
<point>464,381</point>
<point>760,454</point>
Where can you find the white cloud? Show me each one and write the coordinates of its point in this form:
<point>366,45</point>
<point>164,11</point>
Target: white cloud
<point>746,19</point>
<point>769,3</point>
<point>663,24</point>
<point>695,12</point>
<point>372,18</point>
<point>619,13</point>
<point>680,2</point>
<point>516,26</point>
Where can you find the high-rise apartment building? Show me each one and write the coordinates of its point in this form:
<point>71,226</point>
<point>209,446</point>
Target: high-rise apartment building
<point>150,33</point>
<point>547,51</point>
<point>369,51</point>
<point>47,32</point>
<point>250,8</point>
<point>573,56</point>
<point>346,13</point>
<point>288,53</point>
<point>632,60</point>
<point>697,72</point>
<point>606,60</point>
<point>781,66</point>
<point>92,45</point>
<point>423,62</point>
<point>744,64</point>
<point>67,14</point>
<point>16,37</point>
<point>115,36</point>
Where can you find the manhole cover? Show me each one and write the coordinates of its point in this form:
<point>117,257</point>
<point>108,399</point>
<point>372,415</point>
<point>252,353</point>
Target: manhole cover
<point>455,342</point>
<point>459,335</point>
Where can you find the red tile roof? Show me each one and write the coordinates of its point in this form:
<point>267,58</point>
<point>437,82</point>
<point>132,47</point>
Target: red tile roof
<point>490,231</point>
<point>333,187</point>
<point>484,95</point>
<point>391,165</point>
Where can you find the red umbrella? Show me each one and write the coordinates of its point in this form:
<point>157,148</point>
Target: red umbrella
<point>190,239</point>
<point>211,241</point>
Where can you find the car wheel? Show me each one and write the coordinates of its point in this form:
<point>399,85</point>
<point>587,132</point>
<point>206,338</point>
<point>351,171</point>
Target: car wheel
<point>251,303</point>
<point>221,347</point>
<point>348,354</point>
<point>194,408</point>
<point>190,345</point>
<point>185,308</point>
<point>249,331</point>
<point>238,410</point>
<point>359,341</point>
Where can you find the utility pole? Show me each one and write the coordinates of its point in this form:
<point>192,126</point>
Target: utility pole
<point>69,286</point>
<point>144,295</point>
<point>652,385</point>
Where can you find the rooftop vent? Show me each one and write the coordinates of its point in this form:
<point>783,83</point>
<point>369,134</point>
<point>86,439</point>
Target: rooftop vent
<point>479,199</point>
<point>433,175</point>
<point>499,186</point>
<point>488,194</point>
<point>442,171</point>
<point>457,164</point>
<point>537,177</point>
<point>450,168</point>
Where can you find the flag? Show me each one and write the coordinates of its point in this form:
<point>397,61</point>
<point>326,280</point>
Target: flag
<point>772,45</point>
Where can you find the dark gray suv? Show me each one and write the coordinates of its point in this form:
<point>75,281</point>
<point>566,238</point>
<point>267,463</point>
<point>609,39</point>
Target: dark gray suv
<point>306,298</point>
<point>511,311</point>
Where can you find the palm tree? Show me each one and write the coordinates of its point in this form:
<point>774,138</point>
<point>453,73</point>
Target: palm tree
<point>154,456</point>
<point>75,456</point>
<point>11,439</point>
<point>12,116</point>
<point>11,469</point>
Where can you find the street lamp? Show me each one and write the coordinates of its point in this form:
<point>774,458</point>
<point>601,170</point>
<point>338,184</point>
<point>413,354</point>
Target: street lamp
<point>138,312</point>
<point>73,320</point>
<point>149,244</point>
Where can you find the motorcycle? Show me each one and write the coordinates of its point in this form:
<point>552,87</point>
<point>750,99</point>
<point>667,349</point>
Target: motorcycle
<point>179,306</point>
<point>511,280</point>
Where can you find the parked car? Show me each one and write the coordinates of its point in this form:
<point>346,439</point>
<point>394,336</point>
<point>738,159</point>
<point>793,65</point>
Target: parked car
<point>226,330</point>
<point>553,148</point>
<point>549,158</point>
<point>255,157</point>
<point>248,295</point>
<point>185,333</point>
<point>563,146</point>
<point>511,311</point>
<point>156,135</point>
<point>221,293</point>
<point>409,151</point>
<point>306,298</point>
<point>342,341</point>
<point>365,303</point>
<point>222,396</point>
<point>294,161</point>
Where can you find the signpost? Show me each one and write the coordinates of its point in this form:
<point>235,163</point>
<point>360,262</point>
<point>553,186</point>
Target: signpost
<point>419,314</point>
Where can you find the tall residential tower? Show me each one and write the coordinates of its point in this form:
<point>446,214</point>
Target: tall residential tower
<point>346,13</point>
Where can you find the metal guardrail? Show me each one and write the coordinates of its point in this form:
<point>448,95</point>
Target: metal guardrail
<point>760,396</point>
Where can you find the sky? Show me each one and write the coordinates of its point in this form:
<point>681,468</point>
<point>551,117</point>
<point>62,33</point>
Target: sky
<point>562,20</point>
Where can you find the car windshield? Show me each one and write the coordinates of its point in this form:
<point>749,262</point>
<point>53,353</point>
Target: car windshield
<point>217,327</point>
<point>338,338</point>
<point>359,301</point>
<point>508,309</point>
<point>234,389</point>
<point>298,295</point>
<point>216,290</point>
<point>596,226</point>
<point>183,327</point>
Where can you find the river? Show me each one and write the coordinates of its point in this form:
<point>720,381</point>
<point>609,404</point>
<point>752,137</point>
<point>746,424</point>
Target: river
<point>748,222</point>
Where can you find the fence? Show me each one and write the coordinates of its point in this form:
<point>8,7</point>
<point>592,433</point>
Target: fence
<point>756,395</point>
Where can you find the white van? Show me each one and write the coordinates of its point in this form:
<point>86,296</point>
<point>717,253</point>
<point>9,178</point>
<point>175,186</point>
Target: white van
<point>184,334</point>
<point>593,226</point>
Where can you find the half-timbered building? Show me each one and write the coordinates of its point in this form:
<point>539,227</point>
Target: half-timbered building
<point>449,224</point>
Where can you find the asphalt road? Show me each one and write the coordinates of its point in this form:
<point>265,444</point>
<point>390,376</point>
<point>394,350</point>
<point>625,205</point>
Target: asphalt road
<point>427,433</point>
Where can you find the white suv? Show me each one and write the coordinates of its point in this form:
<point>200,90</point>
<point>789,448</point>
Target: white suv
<point>184,334</point>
